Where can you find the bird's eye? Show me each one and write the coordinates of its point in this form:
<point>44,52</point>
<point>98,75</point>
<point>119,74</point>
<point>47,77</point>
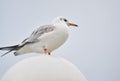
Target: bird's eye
<point>62,19</point>
<point>65,20</point>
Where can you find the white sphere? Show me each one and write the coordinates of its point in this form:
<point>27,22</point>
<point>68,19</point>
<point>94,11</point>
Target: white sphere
<point>44,68</point>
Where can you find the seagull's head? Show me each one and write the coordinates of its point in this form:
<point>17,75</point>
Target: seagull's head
<point>64,21</point>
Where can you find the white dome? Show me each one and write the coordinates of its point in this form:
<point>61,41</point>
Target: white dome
<point>44,68</point>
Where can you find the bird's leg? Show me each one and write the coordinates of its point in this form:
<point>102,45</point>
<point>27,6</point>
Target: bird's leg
<point>45,50</point>
<point>49,53</point>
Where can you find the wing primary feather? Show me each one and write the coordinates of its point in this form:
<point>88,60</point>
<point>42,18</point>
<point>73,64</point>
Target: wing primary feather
<point>6,53</point>
<point>10,49</point>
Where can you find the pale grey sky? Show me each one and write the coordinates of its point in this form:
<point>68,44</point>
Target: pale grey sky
<point>94,47</point>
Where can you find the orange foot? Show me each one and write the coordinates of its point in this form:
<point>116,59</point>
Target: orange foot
<point>45,52</point>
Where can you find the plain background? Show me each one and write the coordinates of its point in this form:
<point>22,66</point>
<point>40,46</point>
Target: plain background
<point>94,47</point>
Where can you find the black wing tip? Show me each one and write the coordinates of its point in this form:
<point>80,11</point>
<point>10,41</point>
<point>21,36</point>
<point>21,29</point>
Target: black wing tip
<point>1,48</point>
<point>6,53</point>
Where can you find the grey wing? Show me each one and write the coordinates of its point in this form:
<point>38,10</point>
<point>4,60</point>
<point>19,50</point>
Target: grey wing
<point>37,33</point>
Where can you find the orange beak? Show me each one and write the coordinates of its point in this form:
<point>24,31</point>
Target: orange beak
<point>72,24</point>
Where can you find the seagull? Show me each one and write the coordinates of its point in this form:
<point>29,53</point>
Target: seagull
<point>44,39</point>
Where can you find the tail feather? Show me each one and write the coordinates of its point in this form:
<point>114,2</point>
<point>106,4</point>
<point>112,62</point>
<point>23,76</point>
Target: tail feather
<point>9,49</point>
<point>15,47</point>
<point>6,53</point>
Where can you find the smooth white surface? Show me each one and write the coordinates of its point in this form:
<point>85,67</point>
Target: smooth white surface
<point>44,68</point>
